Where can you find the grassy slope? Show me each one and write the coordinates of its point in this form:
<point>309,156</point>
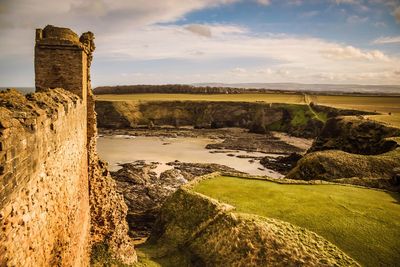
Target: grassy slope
<point>364,223</point>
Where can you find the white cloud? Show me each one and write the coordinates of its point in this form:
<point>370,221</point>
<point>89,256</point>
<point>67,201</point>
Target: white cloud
<point>199,29</point>
<point>294,2</point>
<point>352,53</point>
<point>354,2</point>
<point>264,2</point>
<point>309,14</point>
<point>238,70</point>
<point>295,59</point>
<point>354,19</point>
<point>128,32</point>
<point>380,24</point>
<point>98,14</point>
<point>387,40</point>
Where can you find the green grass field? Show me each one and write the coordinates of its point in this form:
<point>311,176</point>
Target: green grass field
<point>362,222</point>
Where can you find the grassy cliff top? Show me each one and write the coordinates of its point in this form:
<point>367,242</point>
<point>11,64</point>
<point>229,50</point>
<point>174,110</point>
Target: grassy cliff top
<point>363,223</point>
<point>380,104</point>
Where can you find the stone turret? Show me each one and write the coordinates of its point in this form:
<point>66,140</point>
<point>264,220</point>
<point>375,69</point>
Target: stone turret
<point>62,60</point>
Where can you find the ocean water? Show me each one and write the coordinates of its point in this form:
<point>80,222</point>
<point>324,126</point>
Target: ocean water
<point>123,149</point>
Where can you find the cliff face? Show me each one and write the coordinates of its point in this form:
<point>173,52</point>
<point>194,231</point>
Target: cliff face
<point>297,120</point>
<point>108,210</point>
<point>356,135</point>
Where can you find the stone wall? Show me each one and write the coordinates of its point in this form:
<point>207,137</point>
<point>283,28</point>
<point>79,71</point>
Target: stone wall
<point>57,199</point>
<point>44,215</point>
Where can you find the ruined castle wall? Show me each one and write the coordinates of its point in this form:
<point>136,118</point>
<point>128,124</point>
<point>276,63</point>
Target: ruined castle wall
<point>44,216</point>
<point>61,68</point>
<point>57,199</point>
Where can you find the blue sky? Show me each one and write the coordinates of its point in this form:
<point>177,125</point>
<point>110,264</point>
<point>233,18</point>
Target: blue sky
<point>176,41</point>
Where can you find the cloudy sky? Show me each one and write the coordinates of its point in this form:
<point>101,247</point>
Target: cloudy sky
<point>230,41</point>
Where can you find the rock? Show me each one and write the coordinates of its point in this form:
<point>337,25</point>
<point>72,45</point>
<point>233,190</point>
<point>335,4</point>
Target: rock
<point>396,176</point>
<point>144,192</point>
<point>281,164</point>
<point>356,135</point>
<point>377,171</point>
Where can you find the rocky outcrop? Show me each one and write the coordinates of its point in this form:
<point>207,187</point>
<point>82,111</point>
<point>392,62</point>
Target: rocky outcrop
<point>211,234</point>
<point>145,192</point>
<point>356,135</point>
<point>353,150</point>
<point>375,170</point>
<point>282,164</point>
<point>108,211</point>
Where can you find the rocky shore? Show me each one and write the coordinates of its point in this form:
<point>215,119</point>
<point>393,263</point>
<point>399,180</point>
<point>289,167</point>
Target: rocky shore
<point>145,192</point>
<point>145,189</point>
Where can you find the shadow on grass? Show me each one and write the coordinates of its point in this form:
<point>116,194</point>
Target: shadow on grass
<point>396,197</point>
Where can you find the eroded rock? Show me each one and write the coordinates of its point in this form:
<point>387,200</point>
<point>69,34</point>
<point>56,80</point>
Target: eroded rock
<point>145,192</point>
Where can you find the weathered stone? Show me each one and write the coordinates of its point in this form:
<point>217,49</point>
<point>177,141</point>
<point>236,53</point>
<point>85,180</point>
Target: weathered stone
<point>56,197</point>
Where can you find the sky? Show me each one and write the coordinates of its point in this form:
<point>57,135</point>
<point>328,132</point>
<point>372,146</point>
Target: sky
<point>227,41</point>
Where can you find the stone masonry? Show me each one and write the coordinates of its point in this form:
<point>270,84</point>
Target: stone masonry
<point>57,199</point>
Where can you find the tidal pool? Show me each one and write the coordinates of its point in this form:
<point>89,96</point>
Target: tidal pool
<point>119,149</point>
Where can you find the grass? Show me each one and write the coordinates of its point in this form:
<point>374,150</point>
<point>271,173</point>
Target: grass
<point>393,120</point>
<point>381,104</point>
<point>270,98</point>
<point>102,257</point>
<point>364,223</point>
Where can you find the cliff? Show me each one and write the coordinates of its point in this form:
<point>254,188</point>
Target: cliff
<point>356,135</point>
<point>298,120</point>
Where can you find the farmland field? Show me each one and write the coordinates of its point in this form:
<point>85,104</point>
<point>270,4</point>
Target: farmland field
<point>364,223</point>
<point>270,98</point>
<point>381,104</point>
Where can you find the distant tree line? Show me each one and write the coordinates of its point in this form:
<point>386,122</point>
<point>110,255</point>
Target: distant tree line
<point>190,89</point>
